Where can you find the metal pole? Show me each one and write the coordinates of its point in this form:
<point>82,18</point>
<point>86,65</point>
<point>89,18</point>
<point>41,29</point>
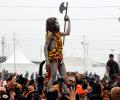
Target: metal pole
<point>14,51</point>
<point>84,58</point>
<point>84,52</point>
<point>87,44</point>
<point>3,44</point>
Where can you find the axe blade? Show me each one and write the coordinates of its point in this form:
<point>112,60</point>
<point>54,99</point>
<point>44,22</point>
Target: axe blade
<point>62,7</point>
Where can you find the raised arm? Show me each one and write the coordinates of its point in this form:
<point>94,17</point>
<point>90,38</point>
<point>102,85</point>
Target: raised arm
<point>47,42</point>
<point>67,32</point>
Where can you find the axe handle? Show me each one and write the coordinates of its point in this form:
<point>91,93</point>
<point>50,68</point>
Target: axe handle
<point>64,31</point>
<point>66,9</point>
<point>65,23</point>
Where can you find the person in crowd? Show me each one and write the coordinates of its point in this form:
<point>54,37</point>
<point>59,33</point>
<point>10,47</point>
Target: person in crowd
<point>3,94</point>
<point>53,49</point>
<point>106,93</point>
<point>96,91</point>
<point>112,67</point>
<point>115,93</point>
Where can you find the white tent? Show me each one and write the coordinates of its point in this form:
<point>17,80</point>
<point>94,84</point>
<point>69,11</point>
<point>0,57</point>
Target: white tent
<point>19,63</point>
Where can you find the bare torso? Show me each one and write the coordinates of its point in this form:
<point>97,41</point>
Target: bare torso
<point>52,43</point>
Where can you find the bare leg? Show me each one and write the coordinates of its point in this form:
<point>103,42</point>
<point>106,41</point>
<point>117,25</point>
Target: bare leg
<point>62,72</point>
<point>53,69</point>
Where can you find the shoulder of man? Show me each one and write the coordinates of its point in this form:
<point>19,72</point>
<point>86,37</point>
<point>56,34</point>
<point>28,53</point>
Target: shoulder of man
<point>108,62</point>
<point>49,35</point>
<point>116,62</point>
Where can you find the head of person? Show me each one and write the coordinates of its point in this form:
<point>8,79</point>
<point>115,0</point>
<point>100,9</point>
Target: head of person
<point>2,90</point>
<point>52,95</point>
<point>52,25</point>
<point>31,88</point>
<point>3,94</point>
<point>111,56</point>
<point>115,93</point>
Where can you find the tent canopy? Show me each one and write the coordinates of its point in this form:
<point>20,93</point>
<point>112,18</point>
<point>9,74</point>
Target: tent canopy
<point>21,65</point>
<point>19,58</point>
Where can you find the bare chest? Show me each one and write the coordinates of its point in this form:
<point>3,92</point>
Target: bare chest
<point>52,43</point>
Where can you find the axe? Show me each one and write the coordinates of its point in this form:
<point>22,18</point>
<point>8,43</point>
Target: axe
<point>61,9</point>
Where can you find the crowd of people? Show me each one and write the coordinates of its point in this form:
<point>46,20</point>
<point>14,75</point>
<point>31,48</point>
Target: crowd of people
<point>81,87</point>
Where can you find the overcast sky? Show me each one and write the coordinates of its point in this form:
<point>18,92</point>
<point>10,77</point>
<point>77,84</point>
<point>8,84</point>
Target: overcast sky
<point>97,20</point>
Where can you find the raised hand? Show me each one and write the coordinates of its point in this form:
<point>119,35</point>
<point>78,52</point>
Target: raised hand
<point>67,18</point>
